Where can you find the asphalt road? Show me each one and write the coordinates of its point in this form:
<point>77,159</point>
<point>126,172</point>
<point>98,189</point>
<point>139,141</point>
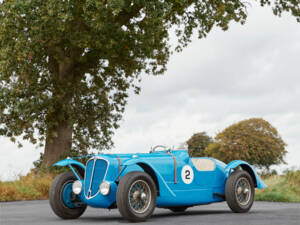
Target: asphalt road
<point>262,213</point>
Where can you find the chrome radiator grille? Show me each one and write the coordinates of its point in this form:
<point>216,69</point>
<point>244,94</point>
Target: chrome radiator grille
<point>95,172</point>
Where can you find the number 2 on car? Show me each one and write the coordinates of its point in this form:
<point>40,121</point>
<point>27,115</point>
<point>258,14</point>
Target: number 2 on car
<point>187,174</point>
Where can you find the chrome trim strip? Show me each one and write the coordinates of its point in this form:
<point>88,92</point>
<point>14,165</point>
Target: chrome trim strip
<point>89,190</point>
<point>85,177</point>
<point>92,176</point>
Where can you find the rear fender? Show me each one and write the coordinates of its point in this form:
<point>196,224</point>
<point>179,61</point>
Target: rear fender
<point>247,167</point>
<point>163,188</point>
<point>79,167</point>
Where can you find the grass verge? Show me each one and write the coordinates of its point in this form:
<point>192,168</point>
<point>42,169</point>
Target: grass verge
<point>30,187</point>
<point>284,188</point>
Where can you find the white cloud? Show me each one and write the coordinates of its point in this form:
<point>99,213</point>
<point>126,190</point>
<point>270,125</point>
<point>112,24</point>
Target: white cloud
<point>248,71</point>
<point>15,161</point>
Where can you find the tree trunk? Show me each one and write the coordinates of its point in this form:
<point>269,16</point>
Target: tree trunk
<point>58,146</point>
<point>64,86</point>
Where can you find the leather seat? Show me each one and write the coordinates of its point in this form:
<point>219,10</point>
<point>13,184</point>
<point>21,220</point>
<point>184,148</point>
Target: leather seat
<point>202,164</point>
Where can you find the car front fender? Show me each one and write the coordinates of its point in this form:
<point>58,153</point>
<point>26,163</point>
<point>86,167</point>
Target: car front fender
<point>163,187</point>
<point>80,168</point>
<point>247,167</point>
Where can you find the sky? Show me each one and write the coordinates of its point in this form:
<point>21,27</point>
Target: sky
<point>247,71</point>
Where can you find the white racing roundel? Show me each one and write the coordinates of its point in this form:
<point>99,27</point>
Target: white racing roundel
<point>187,174</point>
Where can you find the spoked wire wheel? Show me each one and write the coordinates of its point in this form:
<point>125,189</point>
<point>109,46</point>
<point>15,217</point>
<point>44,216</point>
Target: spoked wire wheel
<point>243,191</point>
<point>239,191</point>
<point>136,196</point>
<point>139,196</point>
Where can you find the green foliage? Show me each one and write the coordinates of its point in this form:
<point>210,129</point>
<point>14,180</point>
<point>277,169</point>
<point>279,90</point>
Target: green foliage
<point>40,168</point>
<point>197,143</point>
<point>293,177</point>
<point>72,63</point>
<point>284,188</point>
<point>267,173</point>
<point>80,156</point>
<point>254,140</point>
<point>213,150</point>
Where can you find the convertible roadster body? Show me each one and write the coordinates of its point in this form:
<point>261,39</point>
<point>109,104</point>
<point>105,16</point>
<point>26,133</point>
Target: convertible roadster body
<point>137,183</point>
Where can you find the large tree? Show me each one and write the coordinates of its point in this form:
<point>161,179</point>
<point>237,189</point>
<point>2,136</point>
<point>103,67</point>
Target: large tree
<point>66,66</point>
<point>254,140</point>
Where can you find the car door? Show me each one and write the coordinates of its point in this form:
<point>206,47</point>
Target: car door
<point>204,172</point>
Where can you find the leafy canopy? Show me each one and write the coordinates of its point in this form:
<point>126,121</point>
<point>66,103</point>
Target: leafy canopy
<point>75,61</point>
<point>254,140</point>
<point>197,144</point>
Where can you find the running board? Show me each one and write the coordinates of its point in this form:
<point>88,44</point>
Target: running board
<point>219,195</point>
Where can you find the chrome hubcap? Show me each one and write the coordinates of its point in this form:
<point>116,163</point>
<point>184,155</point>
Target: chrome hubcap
<point>143,196</point>
<point>243,191</point>
<point>139,196</point>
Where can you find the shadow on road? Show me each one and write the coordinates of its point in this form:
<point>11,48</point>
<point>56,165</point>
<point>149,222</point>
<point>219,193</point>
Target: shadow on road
<point>39,212</point>
<point>157,215</point>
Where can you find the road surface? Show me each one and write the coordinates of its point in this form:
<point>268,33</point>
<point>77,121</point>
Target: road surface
<point>262,213</point>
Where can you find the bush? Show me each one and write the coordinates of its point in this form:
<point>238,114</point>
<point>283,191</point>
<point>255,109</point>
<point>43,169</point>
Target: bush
<point>284,188</point>
<point>293,177</point>
<point>30,187</point>
<point>254,140</point>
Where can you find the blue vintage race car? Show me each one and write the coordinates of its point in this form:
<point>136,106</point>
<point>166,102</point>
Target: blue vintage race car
<point>137,183</point>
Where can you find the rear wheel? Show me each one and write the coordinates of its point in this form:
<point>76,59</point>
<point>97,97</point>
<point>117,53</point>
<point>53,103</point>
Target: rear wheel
<point>136,196</point>
<point>63,201</point>
<point>240,191</point>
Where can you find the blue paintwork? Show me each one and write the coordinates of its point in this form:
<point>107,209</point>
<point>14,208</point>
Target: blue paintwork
<point>206,187</point>
<point>259,183</point>
<point>163,186</point>
<point>99,173</point>
<point>66,196</point>
<point>68,162</point>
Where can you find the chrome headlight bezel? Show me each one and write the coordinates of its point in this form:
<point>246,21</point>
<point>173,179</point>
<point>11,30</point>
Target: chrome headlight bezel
<point>77,187</point>
<point>105,188</point>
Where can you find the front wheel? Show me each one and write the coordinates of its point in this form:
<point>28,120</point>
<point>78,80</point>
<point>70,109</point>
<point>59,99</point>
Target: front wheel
<point>136,196</point>
<point>239,191</point>
<point>63,201</point>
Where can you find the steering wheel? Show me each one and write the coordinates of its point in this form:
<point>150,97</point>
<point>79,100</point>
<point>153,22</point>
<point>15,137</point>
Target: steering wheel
<point>166,148</point>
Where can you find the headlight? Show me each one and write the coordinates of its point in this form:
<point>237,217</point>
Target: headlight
<point>105,188</point>
<point>77,187</point>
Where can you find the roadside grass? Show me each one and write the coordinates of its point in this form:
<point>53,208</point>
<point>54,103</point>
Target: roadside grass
<point>30,187</point>
<point>35,186</point>
<point>281,188</point>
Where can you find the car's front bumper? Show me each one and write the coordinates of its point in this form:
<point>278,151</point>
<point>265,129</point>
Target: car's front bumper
<point>100,201</point>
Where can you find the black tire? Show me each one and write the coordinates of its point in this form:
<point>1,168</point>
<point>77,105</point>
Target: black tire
<point>178,209</point>
<point>247,191</point>
<point>56,201</point>
<point>124,193</point>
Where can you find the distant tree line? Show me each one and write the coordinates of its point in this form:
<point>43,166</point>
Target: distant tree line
<point>254,140</point>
